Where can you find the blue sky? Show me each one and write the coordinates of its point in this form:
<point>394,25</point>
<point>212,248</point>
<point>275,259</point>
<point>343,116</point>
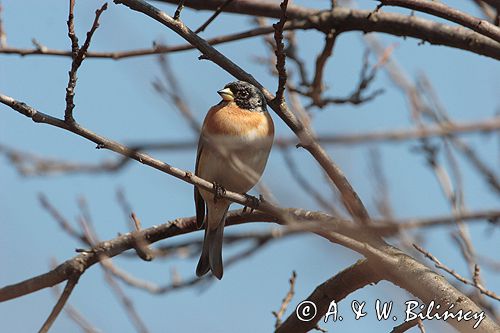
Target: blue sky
<point>116,99</point>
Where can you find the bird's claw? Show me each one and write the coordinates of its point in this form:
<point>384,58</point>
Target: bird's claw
<point>255,203</point>
<point>219,191</point>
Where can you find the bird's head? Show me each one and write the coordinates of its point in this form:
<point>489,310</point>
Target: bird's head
<point>245,95</point>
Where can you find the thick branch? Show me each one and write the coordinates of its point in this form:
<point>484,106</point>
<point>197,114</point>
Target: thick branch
<point>114,247</point>
<point>442,10</point>
<point>335,289</point>
<point>343,19</point>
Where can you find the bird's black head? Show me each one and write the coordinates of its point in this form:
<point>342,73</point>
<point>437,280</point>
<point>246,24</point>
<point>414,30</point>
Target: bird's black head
<point>245,95</point>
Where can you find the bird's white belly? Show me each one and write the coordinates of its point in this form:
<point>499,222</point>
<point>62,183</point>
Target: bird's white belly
<point>242,170</point>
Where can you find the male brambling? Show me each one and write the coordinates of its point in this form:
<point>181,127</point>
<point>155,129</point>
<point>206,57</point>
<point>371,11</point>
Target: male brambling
<point>234,145</point>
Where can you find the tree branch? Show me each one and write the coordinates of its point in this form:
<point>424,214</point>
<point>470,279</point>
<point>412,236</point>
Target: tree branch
<point>343,19</point>
<point>335,289</point>
<point>442,10</point>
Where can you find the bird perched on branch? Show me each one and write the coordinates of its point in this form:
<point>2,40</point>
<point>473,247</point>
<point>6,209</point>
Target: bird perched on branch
<point>234,145</point>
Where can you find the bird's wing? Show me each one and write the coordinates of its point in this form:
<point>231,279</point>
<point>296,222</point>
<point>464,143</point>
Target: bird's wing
<point>198,199</point>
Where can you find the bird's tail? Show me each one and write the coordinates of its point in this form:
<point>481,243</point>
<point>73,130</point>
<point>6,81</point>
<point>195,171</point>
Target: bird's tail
<point>211,254</point>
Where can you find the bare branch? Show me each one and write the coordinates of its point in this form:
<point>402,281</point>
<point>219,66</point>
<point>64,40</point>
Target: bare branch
<point>456,275</point>
<point>218,10</point>
<point>442,10</point>
<point>317,86</point>
<point>280,54</point>
<point>344,19</point>
<point>286,301</point>
<point>178,10</point>
<point>72,312</point>
<point>78,54</point>
<point>70,285</point>
<point>335,289</point>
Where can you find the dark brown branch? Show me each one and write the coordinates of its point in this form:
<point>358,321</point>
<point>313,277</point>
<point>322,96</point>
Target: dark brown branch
<point>280,54</point>
<point>442,10</point>
<point>78,54</point>
<point>343,19</point>
<point>178,10</point>
<point>357,97</point>
<point>317,86</point>
<point>213,17</point>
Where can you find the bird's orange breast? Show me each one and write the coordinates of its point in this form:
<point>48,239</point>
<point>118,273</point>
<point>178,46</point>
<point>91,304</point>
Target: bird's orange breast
<point>228,119</point>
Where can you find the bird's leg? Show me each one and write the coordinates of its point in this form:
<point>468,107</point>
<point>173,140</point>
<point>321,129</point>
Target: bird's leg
<point>255,203</point>
<point>219,191</point>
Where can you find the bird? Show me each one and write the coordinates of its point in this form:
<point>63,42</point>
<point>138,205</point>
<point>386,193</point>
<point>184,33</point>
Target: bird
<point>235,142</point>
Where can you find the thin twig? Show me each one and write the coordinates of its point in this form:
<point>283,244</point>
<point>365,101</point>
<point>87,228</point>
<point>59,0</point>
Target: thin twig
<point>78,54</point>
<point>141,246</point>
<point>317,86</point>
<point>70,285</point>
<point>72,312</point>
<point>280,54</point>
<point>179,9</point>
<point>61,220</point>
<point>456,275</point>
<point>285,302</point>
<point>214,15</point>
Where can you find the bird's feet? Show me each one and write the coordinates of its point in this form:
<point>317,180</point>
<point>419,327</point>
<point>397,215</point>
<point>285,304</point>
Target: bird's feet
<point>219,191</point>
<point>253,200</point>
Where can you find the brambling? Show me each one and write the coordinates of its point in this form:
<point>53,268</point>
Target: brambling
<point>234,145</point>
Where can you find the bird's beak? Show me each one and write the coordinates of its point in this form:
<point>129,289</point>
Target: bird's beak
<point>226,94</point>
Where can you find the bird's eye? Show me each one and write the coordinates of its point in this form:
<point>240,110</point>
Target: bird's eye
<point>244,94</point>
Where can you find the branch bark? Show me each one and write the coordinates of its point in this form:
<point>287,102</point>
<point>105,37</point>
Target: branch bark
<point>344,19</point>
<point>442,10</point>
